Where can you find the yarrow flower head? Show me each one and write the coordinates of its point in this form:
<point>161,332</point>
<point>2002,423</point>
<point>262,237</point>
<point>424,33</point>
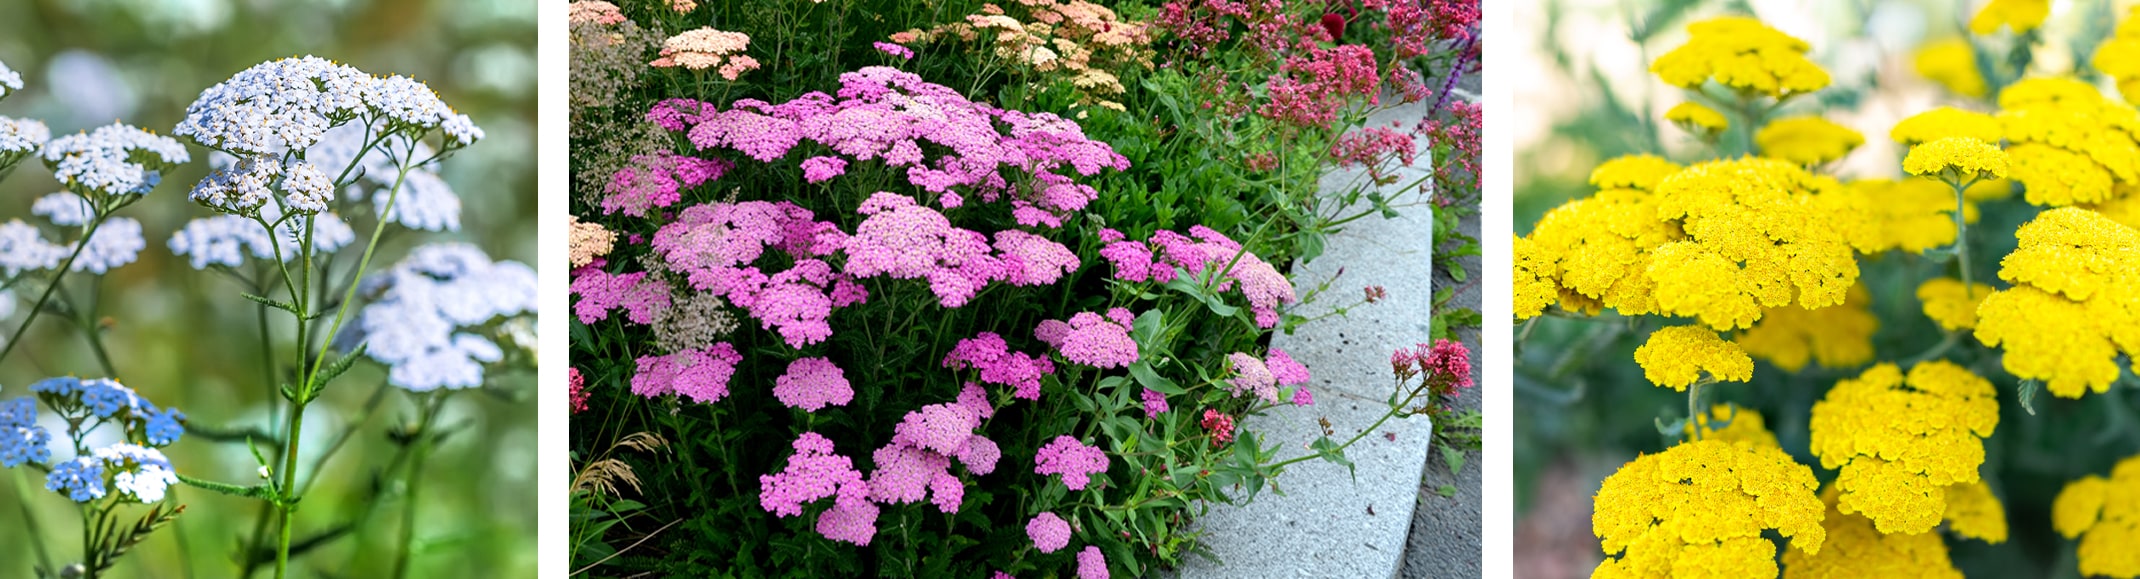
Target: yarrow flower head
<point>112,161</point>
<point>421,306</point>
<point>1838,336</point>
<point>700,375</point>
<point>21,438</point>
<point>2063,322</point>
<point>2062,134</point>
<point>1854,546</point>
<point>1092,339</point>
<point>1698,119</point>
<point>20,138</point>
<point>902,52</point>
<point>1760,233</point>
<point>1742,54</point>
<point>137,473</point>
<point>289,104</point>
<point>227,240</point>
<point>1091,564</point>
<point>2019,15</point>
<point>1595,253</point>
<point>1956,159</point>
<point>1704,505</point>
<point>10,81</point>
<point>811,384</point>
<point>989,353</point>
<point>1050,533</point>
<point>2101,513</point>
<point>1073,460</point>
<point>112,403</point>
<point>1807,140</point>
<point>1945,122</point>
<point>588,241</point>
<point>704,48</point>
<point>1950,304</point>
<point>1251,376</point>
<point>1892,471</point>
<point>1676,356</point>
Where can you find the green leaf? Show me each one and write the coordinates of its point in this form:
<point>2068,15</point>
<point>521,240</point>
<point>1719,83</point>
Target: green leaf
<point>2028,391</point>
<point>1144,374</point>
<point>1454,458</point>
<point>1447,491</point>
<point>263,300</point>
<point>1331,451</point>
<point>336,368</point>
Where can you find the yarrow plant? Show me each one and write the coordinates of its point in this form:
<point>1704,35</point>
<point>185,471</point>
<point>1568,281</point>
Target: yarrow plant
<point>1774,249</point>
<point>914,286</point>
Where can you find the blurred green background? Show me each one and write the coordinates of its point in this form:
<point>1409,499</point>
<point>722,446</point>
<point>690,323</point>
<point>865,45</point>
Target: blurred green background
<point>185,339</point>
<point>1585,408</point>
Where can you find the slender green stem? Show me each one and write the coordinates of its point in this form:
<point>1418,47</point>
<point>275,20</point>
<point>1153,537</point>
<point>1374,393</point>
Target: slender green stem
<point>1694,403</point>
<point>1961,237</point>
<point>29,517</point>
<point>58,275</point>
<point>412,480</point>
<point>289,469</point>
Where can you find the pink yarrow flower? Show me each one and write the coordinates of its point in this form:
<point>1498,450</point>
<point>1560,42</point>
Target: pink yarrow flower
<point>701,375</point>
<point>1073,460</point>
<point>821,169</point>
<point>599,292</point>
<point>1091,564</point>
<point>1155,403</point>
<point>812,384</point>
<point>1092,339</point>
<point>894,50</point>
<point>1251,376</point>
<point>1050,533</point>
<point>814,472</point>
<point>988,353</point>
<point>579,394</point>
<point>658,180</point>
<point>903,240</point>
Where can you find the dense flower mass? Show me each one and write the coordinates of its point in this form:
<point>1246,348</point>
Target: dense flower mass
<point>1092,339</point>
<point>588,241</point>
<point>1945,122</point>
<point>2063,321</point>
<point>2105,515</point>
<point>1596,252</point>
<point>1950,304</point>
<point>1677,356</point>
<point>704,48</point>
<point>422,323</point>
<point>2067,142</point>
<point>1697,118</point>
<point>1758,232</point>
<point>1699,508</point>
<point>113,160</point>
<point>1742,54</point>
<point>1049,532</point>
<point>1963,158</point>
<point>1893,471</point>
<point>289,104</point>
<point>1855,549</point>
<point>1807,140</point>
<point>1082,43</point>
<point>2019,15</point>
<point>1076,462</point>
<point>989,354</point>
<point>1838,336</point>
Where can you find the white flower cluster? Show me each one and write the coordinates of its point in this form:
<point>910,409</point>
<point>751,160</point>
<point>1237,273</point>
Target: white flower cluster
<point>290,104</point>
<point>137,471</point>
<point>227,239</point>
<point>23,248</point>
<point>115,159</point>
<point>64,208</point>
<point>19,138</point>
<point>9,81</point>
<point>413,324</point>
<point>117,242</point>
<point>426,201</point>
<point>239,186</point>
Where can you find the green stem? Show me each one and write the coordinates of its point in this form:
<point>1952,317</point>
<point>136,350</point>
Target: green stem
<point>58,275</point>
<point>1694,417</point>
<point>29,517</point>
<point>289,477</point>
<point>413,481</point>
<point>1961,236</point>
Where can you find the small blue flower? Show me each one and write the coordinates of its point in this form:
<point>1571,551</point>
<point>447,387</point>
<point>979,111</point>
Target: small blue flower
<point>59,386</point>
<point>81,479</point>
<point>20,444</point>
<point>163,427</point>
<point>106,397</point>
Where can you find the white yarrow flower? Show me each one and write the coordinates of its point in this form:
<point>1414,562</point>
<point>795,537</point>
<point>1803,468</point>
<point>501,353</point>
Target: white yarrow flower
<point>64,208</point>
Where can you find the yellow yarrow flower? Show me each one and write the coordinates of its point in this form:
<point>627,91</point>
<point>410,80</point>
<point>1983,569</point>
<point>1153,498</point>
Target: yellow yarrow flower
<point>1535,288</point>
<point>2068,143</point>
<point>2105,515</point>
<point>2122,207</point>
<point>1912,215</point>
<point>1743,54</point>
<point>1961,159</point>
<point>1943,122</point>
<point>1953,64</point>
<point>1639,172</point>
<point>2020,15</point>
<point>1949,304</point>
<point>1899,441</point>
<point>1855,549</point>
<point>1694,117</point>
<point>1807,140</point>
<point>1676,356</point>
<point>1761,233</point>
<point>2119,56</point>
<point>1698,510</point>
<point>1741,425</point>
<point>1972,511</point>
<point>1838,336</point>
<point>2076,276</point>
<point>2057,177</point>
<point>1599,248</point>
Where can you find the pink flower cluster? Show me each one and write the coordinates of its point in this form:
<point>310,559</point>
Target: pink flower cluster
<point>822,169</point>
<point>1461,131</point>
<point>1050,533</point>
<point>579,394</point>
<point>1155,403</point>
<point>1447,361</point>
<point>1313,86</point>
<point>1263,377</point>
<point>701,375</point>
<point>1203,24</point>
<point>900,51</point>
<point>600,292</point>
<point>905,240</point>
<point>812,384</point>
<point>815,472</point>
<point>1073,460</point>
<point>885,114</point>
<point>1091,564</point>
<point>916,464</point>
<point>595,11</point>
<point>716,246</point>
<point>1370,147</point>
<point>1092,339</point>
<point>658,180</point>
<point>1220,425</point>
<point>988,353</point>
<point>1156,259</point>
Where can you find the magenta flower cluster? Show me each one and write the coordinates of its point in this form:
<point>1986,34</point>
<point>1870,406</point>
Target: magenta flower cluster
<point>916,464</point>
<point>1092,339</point>
<point>600,292</point>
<point>1050,533</point>
<point>701,375</point>
<point>1204,249</point>
<point>1314,85</point>
<point>1073,460</point>
<point>815,472</point>
<point>1263,377</point>
<point>1370,146</point>
<point>658,180</point>
<point>812,384</point>
<point>988,353</point>
<point>717,245</point>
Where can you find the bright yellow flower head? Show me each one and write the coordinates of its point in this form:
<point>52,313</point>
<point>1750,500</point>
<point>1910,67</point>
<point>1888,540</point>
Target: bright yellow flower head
<point>1943,122</point>
<point>1899,442</point>
<point>1741,425</point>
<point>1913,215</point>
<point>1677,355</point>
<point>1694,117</point>
<point>1597,248</point>
<point>2068,143</point>
<point>2072,309</point>
<point>2119,56</point>
<point>2122,207</point>
<point>1743,54</point>
<point>1951,305</point>
<point>2105,515</point>
<point>1698,510</point>
<point>1639,172</point>
<point>1952,64</point>
<point>1807,140</point>
<point>1855,549</point>
<point>1838,336</point>
<point>1762,233</point>
<point>1963,158</point>
<point>2021,15</point>
<point>1972,511</point>
<point>1535,288</point>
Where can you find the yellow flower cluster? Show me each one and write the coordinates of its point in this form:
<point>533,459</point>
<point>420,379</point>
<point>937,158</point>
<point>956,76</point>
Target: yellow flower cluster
<point>1594,252</point>
<point>2123,206</point>
<point>2105,515</point>
<point>2119,56</point>
<point>1949,304</point>
<point>1760,233</point>
<point>1972,511</point>
<point>1743,54</point>
<point>1960,159</point>
<point>1913,215</point>
<point>1899,442</point>
<point>2067,142</point>
<point>1952,64</point>
<point>2071,310</point>
<point>1698,510</point>
<point>1807,140</point>
<point>1855,549</point>
<point>1694,117</point>
<point>1945,122</point>
<point>1677,355</point>
<point>1741,425</point>
<point>1073,40</point>
<point>1836,336</point>
<point>2021,15</point>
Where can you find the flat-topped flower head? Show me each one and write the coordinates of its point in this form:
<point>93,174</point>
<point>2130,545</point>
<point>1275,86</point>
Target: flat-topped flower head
<point>2062,139</point>
<point>811,384</point>
<point>416,323</point>
<point>589,240</point>
<point>1953,64</point>
<point>1807,140</point>
<point>1972,511</point>
<point>10,81</point>
<point>1696,118</point>
<point>1091,564</point>
<point>1704,505</point>
<point>2103,514</point>
<point>1742,54</point>
<point>112,160</point>
<point>705,48</point>
<point>228,240</point>
<point>22,440</point>
<point>1760,233</point>
<point>1738,425</point>
<point>1957,159</point>
<point>2065,321</point>
<point>1855,549</point>
<point>117,242</point>
<point>1076,462</point>
<point>699,375</point>
<point>64,208</point>
<point>1676,356</point>
<point>1049,533</point>
<point>1950,304</point>
<point>1091,339</point>
<point>814,472</point>
<point>1638,172</point>
<point>1838,336</point>
<point>20,138</point>
<point>1251,376</point>
<point>309,189</point>
<point>289,104</point>
<point>1945,122</point>
<point>23,248</point>
<point>1893,471</point>
<point>2019,15</point>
